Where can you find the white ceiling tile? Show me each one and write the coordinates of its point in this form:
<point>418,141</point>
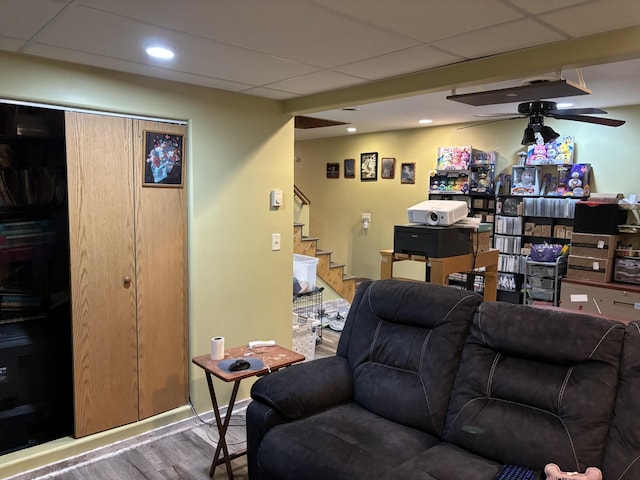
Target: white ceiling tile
<point>270,93</point>
<point>503,38</point>
<point>117,37</point>
<point>292,29</point>
<point>398,63</point>
<point>596,17</point>
<point>11,44</point>
<point>427,21</point>
<point>23,18</point>
<point>315,82</point>
<point>83,58</point>
<point>541,6</point>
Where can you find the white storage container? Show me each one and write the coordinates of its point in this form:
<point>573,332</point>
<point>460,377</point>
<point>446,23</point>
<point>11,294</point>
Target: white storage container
<point>304,273</point>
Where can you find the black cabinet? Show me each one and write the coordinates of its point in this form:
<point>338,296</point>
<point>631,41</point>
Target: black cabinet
<point>35,318</point>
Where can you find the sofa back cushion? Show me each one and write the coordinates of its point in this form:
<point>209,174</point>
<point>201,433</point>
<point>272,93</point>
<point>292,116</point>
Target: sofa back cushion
<point>536,386</point>
<point>403,341</point>
<point>622,455</point>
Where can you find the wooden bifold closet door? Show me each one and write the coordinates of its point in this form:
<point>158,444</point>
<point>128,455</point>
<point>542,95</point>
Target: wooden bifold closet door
<point>128,276</point>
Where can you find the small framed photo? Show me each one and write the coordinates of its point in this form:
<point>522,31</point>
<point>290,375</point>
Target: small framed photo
<point>333,170</point>
<point>350,168</point>
<point>369,166</point>
<point>164,159</point>
<point>408,173</point>
<point>388,168</point>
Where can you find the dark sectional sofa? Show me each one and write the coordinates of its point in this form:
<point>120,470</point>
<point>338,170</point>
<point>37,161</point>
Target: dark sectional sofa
<point>431,383</point>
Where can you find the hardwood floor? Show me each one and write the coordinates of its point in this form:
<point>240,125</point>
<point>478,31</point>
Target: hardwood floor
<point>181,452</point>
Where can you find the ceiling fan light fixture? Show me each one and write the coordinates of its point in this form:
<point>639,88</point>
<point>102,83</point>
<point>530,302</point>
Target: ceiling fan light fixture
<point>548,134</point>
<point>529,137</point>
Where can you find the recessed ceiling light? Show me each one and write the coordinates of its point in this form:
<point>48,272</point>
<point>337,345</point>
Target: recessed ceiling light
<point>350,109</point>
<point>161,52</point>
<point>352,129</point>
<point>564,105</point>
<point>425,121</point>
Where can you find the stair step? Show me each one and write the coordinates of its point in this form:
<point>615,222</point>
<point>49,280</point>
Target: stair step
<point>309,239</point>
<point>336,265</point>
<point>323,252</point>
<point>346,276</point>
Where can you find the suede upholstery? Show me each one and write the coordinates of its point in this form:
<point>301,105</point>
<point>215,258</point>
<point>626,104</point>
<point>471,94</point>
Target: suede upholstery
<point>536,386</point>
<point>430,383</point>
<point>622,456</point>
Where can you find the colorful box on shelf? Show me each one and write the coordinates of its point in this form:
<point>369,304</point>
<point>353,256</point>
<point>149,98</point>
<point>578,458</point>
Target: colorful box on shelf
<point>570,180</point>
<point>555,152</point>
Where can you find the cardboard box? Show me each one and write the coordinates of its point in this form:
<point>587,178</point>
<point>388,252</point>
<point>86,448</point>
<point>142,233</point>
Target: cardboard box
<point>545,230</point>
<point>594,245</point>
<point>529,228</point>
<point>559,231</point>
<point>590,268</point>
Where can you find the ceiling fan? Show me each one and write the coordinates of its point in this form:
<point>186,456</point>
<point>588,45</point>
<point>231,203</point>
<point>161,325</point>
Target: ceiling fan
<point>535,111</point>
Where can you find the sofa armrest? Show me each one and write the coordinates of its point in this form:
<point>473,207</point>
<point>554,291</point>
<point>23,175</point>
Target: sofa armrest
<point>306,388</point>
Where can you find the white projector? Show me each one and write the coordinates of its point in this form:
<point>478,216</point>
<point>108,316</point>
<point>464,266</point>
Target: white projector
<point>438,212</point>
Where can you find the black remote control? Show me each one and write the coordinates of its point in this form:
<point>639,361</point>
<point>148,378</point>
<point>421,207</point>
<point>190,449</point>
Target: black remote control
<point>515,472</point>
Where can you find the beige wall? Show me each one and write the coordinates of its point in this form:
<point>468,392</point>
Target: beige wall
<point>337,204</point>
<point>239,148</point>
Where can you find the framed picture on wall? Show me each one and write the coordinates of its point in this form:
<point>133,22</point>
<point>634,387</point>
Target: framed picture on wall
<point>350,168</point>
<point>369,166</point>
<point>164,159</point>
<point>408,173</point>
<point>388,168</point>
<point>333,170</point>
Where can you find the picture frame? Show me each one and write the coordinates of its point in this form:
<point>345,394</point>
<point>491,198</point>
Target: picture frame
<point>408,173</point>
<point>350,168</point>
<point>369,167</point>
<point>164,159</point>
<point>333,170</point>
<point>388,167</point>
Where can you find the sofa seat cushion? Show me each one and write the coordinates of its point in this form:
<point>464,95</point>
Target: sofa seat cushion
<point>343,443</point>
<point>445,461</point>
<point>536,386</point>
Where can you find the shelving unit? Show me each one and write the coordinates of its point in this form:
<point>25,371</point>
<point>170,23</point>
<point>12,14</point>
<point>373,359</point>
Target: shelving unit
<point>542,281</point>
<point>520,222</point>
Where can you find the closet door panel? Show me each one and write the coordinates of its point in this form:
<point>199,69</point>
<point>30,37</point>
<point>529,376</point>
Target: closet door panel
<point>101,219</point>
<point>161,272</point>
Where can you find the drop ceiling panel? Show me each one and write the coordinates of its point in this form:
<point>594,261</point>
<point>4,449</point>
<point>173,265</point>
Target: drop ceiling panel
<point>315,82</point>
<point>506,37</point>
<point>23,18</point>
<point>541,6</point>
<point>286,28</point>
<point>596,17</point>
<point>131,67</point>
<point>11,44</point>
<point>427,21</point>
<point>270,93</point>
<point>92,31</point>
<point>397,63</point>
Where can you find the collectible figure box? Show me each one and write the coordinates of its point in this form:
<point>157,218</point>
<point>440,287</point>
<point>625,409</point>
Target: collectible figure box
<point>526,181</point>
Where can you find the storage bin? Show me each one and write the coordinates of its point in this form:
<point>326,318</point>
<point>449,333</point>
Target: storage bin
<point>304,338</point>
<point>602,218</point>
<point>304,273</point>
<point>627,270</point>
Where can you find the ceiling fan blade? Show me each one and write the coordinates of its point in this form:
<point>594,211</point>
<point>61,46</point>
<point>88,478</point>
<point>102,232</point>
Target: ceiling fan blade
<point>609,122</point>
<point>577,111</point>
<point>494,115</point>
<point>489,121</point>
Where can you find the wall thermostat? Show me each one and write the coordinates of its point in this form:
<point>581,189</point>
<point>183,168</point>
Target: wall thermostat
<point>276,198</point>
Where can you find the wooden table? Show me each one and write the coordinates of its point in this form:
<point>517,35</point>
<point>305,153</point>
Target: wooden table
<point>442,267</point>
<point>274,358</point>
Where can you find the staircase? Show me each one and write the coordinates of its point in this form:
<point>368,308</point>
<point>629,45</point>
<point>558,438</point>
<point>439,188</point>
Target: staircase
<point>330,273</point>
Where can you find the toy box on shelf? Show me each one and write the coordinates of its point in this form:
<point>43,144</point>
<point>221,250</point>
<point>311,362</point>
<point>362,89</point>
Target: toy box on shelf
<point>555,152</point>
<point>452,182</point>
<point>482,172</point>
<point>552,180</point>
<point>454,158</point>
